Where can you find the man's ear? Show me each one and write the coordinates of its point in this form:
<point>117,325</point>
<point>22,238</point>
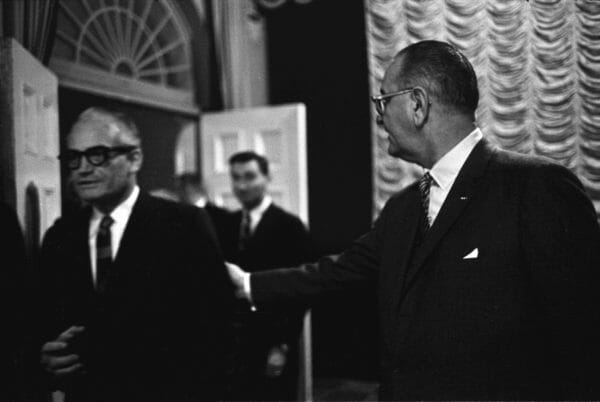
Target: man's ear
<point>136,157</point>
<point>421,106</point>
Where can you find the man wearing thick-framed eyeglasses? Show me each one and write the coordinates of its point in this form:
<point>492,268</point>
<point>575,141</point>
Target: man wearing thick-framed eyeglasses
<point>96,156</point>
<point>486,269</point>
<point>103,169</point>
<point>134,296</point>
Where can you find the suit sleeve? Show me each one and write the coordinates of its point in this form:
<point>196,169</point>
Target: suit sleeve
<point>47,283</point>
<point>205,296</point>
<point>47,310</point>
<point>287,323</point>
<point>356,267</point>
<point>561,247</point>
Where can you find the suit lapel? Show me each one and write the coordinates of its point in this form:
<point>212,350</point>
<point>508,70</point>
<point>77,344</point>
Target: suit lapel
<point>81,242</point>
<point>133,242</point>
<point>264,222</point>
<point>407,227</point>
<point>460,196</point>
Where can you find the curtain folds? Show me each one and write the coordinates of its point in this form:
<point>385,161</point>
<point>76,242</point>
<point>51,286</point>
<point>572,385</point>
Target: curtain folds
<point>31,23</point>
<point>538,65</point>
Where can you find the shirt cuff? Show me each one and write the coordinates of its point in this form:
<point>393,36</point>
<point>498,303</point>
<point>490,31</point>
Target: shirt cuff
<point>248,291</point>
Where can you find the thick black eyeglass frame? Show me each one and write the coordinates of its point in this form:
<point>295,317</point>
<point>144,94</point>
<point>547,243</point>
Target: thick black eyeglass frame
<point>96,156</point>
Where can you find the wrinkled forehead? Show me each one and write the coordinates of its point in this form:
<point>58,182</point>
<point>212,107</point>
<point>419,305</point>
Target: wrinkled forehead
<point>95,131</point>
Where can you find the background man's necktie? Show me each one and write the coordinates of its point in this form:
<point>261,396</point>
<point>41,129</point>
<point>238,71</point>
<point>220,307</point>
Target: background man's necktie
<point>424,188</point>
<point>103,253</point>
<point>244,230</point>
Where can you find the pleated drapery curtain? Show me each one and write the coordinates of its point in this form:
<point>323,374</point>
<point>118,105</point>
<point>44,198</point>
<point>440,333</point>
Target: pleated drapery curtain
<point>538,66</point>
<point>31,23</point>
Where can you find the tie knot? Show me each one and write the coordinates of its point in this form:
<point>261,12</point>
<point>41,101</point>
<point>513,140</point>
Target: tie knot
<point>106,222</point>
<point>425,183</point>
<point>424,188</point>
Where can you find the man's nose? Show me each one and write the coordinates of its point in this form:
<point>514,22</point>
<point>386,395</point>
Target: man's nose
<point>241,186</point>
<point>84,166</point>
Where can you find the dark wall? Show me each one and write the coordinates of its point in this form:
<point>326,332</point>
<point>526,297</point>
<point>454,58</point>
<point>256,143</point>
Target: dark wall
<point>158,130</point>
<point>318,55</point>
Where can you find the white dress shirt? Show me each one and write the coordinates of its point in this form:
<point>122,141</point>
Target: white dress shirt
<point>445,171</point>
<point>256,215</point>
<point>257,212</point>
<point>120,215</point>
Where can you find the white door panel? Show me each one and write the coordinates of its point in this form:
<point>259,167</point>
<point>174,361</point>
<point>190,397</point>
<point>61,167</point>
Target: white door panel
<point>30,140</point>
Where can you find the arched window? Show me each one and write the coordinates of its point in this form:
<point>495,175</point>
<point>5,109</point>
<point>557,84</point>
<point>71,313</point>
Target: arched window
<point>135,50</point>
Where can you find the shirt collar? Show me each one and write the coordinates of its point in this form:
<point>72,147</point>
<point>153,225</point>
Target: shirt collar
<point>120,214</point>
<point>445,171</point>
<point>201,202</point>
<point>257,212</point>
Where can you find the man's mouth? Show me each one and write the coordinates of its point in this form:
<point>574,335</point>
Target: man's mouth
<point>86,183</point>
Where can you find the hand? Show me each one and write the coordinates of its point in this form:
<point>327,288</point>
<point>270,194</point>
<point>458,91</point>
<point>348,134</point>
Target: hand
<point>276,361</point>
<point>56,358</point>
<point>237,276</point>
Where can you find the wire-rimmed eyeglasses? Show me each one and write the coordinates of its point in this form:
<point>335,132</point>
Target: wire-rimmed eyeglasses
<point>381,100</point>
<point>96,156</point>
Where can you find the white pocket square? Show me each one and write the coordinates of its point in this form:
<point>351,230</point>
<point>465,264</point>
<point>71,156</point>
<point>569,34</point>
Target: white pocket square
<point>472,255</point>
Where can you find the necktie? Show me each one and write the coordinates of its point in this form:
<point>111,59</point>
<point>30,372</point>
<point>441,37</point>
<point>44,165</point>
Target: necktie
<point>103,253</point>
<point>424,188</point>
<point>244,230</point>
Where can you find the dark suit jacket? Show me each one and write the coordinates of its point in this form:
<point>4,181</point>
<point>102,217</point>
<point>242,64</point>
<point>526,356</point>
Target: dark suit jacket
<point>13,299</point>
<point>223,221</point>
<point>279,240</point>
<point>518,322</point>
<point>159,333</point>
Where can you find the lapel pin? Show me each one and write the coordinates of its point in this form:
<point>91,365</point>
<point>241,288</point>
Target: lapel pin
<point>463,198</point>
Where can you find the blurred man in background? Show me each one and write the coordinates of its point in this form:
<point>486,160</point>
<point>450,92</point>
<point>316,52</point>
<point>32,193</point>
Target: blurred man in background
<point>266,237</point>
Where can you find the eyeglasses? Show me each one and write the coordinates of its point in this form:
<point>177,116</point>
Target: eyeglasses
<point>381,100</point>
<point>96,156</point>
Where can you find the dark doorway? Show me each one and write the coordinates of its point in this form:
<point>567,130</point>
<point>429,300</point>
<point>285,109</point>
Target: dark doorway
<point>318,55</point>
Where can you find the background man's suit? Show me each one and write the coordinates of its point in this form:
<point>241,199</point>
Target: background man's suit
<point>159,333</point>
<point>517,322</point>
<point>279,240</point>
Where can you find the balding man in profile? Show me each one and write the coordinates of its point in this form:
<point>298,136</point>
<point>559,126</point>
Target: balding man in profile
<point>486,269</point>
<point>135,293</point>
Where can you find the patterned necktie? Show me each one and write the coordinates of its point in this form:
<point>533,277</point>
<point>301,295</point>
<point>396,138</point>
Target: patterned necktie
<point>103,253</point>
<point>244,230</point>
<point>424,188</point>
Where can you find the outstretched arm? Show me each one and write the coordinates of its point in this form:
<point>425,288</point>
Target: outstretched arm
<point>354,268</point>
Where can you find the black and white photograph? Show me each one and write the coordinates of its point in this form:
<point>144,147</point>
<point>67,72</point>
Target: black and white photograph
<point>299,200</point>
